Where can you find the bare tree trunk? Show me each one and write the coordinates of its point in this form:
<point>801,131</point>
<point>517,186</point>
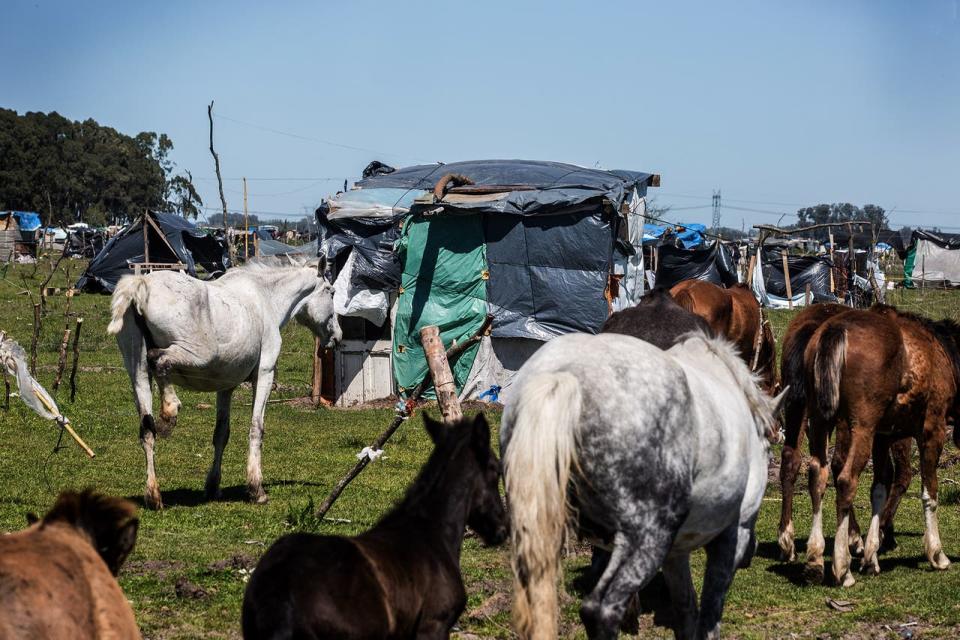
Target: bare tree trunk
<point>440,371</point>
<point>36,338</point>
<point>216,166</point>
<point>76,359</point>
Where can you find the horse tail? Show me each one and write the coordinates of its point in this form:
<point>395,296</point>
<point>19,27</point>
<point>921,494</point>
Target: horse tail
<point>130,290</point>
<point>831,352</point>
<point>537,465</point>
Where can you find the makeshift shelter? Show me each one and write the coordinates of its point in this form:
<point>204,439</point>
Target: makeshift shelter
<point>154,241</point>
<point>545,248</point>
<point>18,235</point>
<point>932,258</point>
<point>713,263</point>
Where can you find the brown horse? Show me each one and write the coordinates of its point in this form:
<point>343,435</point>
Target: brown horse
<point>877,376</point>
<point>793,378</point>
<point>57,576</point>
<point>735,314</point>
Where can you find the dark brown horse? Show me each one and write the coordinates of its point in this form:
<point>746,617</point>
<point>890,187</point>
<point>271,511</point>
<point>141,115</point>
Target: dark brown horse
<point>877,376</point>
<point>657,319</point>
<point>57,576</point>
<point>735,314</point>
<point>400,579</point>
<point>793,378</point>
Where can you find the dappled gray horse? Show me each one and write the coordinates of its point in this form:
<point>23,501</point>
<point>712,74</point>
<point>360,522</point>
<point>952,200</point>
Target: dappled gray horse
<point>653,453</point>
<point>213,336</point>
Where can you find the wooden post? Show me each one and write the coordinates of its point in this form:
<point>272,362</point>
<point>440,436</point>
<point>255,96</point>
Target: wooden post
<point>36,339</point>
<point>402,414</point>
<point>750,267</point>
<point>76,359</point>
<point>246,224</point>
<point>440,371</point>
<point>146,242</point>
<point>786,278</point>
<point>923,272</point>
<point>806,295</point>
<point>833,287</point>
<point>315,394</point>
<point>62,360</point>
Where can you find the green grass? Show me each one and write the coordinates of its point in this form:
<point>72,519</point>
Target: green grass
<point>208,547</point>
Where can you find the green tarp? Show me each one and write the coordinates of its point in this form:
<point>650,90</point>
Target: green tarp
<point>908,266</point>
<point>443,284</point>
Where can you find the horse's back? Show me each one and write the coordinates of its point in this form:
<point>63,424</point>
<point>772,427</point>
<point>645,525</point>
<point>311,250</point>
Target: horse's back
<point>54,585</point>
<point>314,586</point>
<point>658,319</point>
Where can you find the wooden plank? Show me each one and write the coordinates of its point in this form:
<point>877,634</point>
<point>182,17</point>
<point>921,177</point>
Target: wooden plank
<point>786,278</point>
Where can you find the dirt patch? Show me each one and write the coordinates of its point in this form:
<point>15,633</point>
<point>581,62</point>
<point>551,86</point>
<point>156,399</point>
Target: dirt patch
<point>158,568</point>
<point>189,591</point>
<point>492,606</point>
<point>233,563</point>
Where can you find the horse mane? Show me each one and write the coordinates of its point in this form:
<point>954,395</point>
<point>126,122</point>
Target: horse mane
<point>111,523</point>
<point>946,331</point>
<point>761,405</point>
<point>272,263</point>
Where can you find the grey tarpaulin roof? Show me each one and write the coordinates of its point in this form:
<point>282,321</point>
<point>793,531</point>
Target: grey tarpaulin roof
<point>546,185</point>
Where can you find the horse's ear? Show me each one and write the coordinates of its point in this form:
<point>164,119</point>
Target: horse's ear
<point>437,430</point>
<point>119,544</point>
<point>481,433</point>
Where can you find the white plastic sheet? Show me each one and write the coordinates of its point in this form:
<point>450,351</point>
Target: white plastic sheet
<point>353,301</point>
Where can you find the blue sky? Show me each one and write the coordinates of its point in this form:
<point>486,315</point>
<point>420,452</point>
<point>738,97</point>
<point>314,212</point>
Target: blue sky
<point>779,104</point>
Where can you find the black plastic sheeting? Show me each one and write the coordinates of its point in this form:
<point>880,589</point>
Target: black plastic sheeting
<point>192,247</point>
<point>804,270</point>
<point>713,264</point>
<point>85,243</point>
<point>375,265</point>
<point>863,239</point>
<point>548,273</point>
<point>548,186</point>
<point>944,240</point>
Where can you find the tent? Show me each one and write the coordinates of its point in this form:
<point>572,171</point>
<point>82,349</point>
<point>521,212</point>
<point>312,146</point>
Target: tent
<point>155,238</point>
<point>932,258</point>
<point>545,248</point>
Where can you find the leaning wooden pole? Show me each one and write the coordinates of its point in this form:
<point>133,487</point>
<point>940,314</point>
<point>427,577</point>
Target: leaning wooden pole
<point>404,411</point>
<point>223,199</point>
<point>76,359</point>
<point>441,374</point>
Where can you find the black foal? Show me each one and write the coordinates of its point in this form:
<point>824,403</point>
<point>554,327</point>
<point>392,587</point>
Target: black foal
<point>400,579</point>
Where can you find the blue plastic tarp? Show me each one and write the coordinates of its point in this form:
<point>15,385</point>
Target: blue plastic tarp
<point>690,235</point>
<point>26,220</point>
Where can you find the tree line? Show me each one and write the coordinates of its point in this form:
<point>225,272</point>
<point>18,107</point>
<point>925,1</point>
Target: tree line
<point>77,171</point>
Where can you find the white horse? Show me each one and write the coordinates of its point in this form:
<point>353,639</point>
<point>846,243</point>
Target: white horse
<point>653,453</point>
<point>213,336</point>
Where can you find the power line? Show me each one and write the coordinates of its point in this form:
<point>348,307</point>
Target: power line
<point>330,143</point>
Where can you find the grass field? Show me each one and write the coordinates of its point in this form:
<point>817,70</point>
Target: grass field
<point>187,574</point>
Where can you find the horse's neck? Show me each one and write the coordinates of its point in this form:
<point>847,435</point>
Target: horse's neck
<point>440,508</point>
<point>284,290</point>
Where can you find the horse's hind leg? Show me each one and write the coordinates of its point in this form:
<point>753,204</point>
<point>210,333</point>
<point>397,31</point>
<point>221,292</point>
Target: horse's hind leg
<point>683,597</point>
<point>790,460</point>
<point>817,484</point>
<point>859,434</point>
<point>634,562</point>
<point>902,476</point>
<point>722,558</point>
<point>882,478</point>
<point>134,350</point>
<point>931,446</point>
<point>221,435</point>
<point>169,407</point>
<point>841,447</point>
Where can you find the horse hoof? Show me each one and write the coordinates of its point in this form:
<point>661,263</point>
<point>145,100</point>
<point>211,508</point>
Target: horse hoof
<point>856,547</point>
<point>846,581</point>
<point>787,550</point>
<point>153,501</point>
<point>813,573</point>
<point>940,561</point>
<point>212,492</point>
<point>870,567</point>
<point>258,497</point>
